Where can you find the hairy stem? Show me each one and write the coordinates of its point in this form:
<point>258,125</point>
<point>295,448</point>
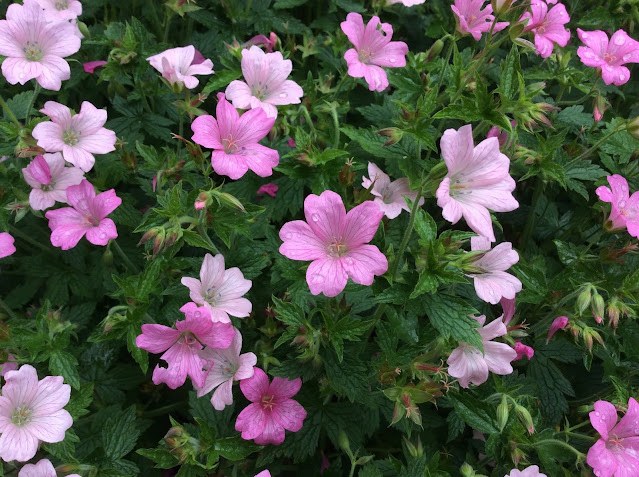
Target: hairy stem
<point>127,261</point>
<point>7,110</point>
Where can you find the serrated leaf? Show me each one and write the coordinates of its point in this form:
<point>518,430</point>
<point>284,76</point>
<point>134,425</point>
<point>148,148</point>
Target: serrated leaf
<point>451,317</point>
<point>120,433</point>
<point>64,364</point>
<point>221,79</point>
<point>477,413</point>
<point>235,448</point>
<point>289,312</point>
<point>425,225</point>
<point>163,458</point>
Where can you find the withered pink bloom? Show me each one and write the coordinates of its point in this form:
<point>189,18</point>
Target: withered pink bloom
<point>336,242</point>
<point>50,179</point>
<point>182,345</point>
<point>228,365</point>
<point>508,305</point>
<point>530,471</point>
<point>86,216</point>
<point>389,195</point>
<point>616,453</point>
<point>266,83</point>
<point>291,142</point>
<point>523,350</point>
<point>6,245</point>
<point>477,180</point>
<point>469,365</point>
<point>270,189</point>
<point>558,323</point>
<point>35,47</point>
<point>30,412</point>
<point>234,140</point>
<point>60,10</point>
<point>492,283</point>
<point>624,210</point>
<point>44,468</point>
<point>90,66</point>
<point>474,20</point>
<point>597,114</point>
<point>502,136</point>
<point>220,291</point>
<point>272,410</point>
<point>609,55</point>
<point>373,49</point>
<point>547,25</point>
<point>178,66</point>
<point>78,137</point>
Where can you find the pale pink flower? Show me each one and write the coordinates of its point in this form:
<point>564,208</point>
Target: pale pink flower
<point>617,451</point>
<point>91,66</point>
<point>335,242</point>
<point>547,25</point>
<point>61,10</point>
<point>220,291</point>
<point>78,137</point>
<point>558,323</point>
<point>469,365</point>
<point>270,189</point>
<point>30,412</point>
<point>6,245</point>
<point>258,40</point>
<point>9,365</point>
<point>406,3</point>
<point>50,178</point>
<point>182,345</point>
<point>477,180</point>
<point>508,306</point>
<point>389,195</point>
<point>266,85</point>
<point>373,49</point>
<point>87,215</point>
<point>624,211</point>
<point>264,473</point>
<point>530,471</point>
<point>492,283</point>
<point>272,409</point>
<point>523,350</point>
<point>178,67</point>
<point>44,468</point>
<point>35,47</point>
<point>609,56</point>
<point>227,365</point>
<point>473,20</point>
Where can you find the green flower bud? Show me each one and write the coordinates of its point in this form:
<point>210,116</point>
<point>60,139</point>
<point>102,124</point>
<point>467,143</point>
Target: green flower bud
<point>502,412</point>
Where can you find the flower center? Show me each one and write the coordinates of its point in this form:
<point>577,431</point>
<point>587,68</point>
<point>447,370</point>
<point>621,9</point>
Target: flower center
<point>364,56</point>
<point>187,338</point>
<point>609,58</point>
<point>21,416</point>
<point>48,187</point>
<point>61,5</point>
<point>32,51</point>
<point>70,137</point>
<point>337,249</point>
<point>230,145</point>
<point>259,91</point>
<point>211,296</point>
<point>267,402</point>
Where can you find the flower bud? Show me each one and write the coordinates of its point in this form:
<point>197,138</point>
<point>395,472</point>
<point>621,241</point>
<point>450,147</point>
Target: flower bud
<point>502,413</point>
<point>107,258</point>
<point>230,201</point>
<point>158,242</point>
<point>467,471</point>
<point>525,418</point>
<point>435,50</point>
<point>599,108</point>
<point>598,306</point>
<point>394,135</point>
<point>150,234</point>
<point>558,324</point>
<point>633,127</point>
<point>342,442</point>
<point>584,298</point>
<point>501,6</point>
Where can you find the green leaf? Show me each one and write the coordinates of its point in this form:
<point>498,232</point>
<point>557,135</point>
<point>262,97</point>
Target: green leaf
<point>235,448</point>
<point>510,72</point>
<point>64,364</point>
<point>194,239</point>
<point>80,400</point>
<point>221,79</point>
<point>427,283</point>
<point>289,312</point>
<point>19,104</point>
<point>162,457</point>
<point>477,413</point>
<point>451,317</point>
<point>120,433</point>
<point>139,355</point>
<point>568,253</point>
<point>552,386</point>
<point>425,225</point>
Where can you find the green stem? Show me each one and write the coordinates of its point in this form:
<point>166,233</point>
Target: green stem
<point>556,442</point>
<point>335,125</point>
<point>36,92</point>
<point>169,17</point>
<point>129,264</point>
<point>161,410</point>
<point>353,465</point>
<point>598,143</point>
<point>202,231</point>
<point>15,231</point>
<point>7,110</point>
<point>532,215</point>
<point>9,311</point>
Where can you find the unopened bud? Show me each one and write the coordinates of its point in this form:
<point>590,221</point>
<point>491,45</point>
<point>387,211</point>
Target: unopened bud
<point>598,306</point>
<point>394,135</point>
<point>342,441</point>
<point>158,242</point>
<point>364,460</point>
<point>525,418</point>
<point>150,234</point>
<point>107,258</point>
<point>435,50</point>
<point>231,201</point>
<point>501,6</point>
<point>584,298</point>
<point>633,127</point>
<point>502,412</point>
<point>588,341</point>
<point>599,108</point>
<point>466,470</point>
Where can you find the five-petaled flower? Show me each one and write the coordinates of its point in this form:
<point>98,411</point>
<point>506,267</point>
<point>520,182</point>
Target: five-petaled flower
<point>59,10</point>
<point>180,65</point>
<point>530,471</point>
<point>624,208</point>
<point>609,55</point>
<point>473,20</point>
<point>389,195</point>
<point>547,25</point>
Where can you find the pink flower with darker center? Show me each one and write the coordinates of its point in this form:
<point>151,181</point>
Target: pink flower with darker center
<point>30,412</point>
<point>86,216</point>
<point>523,350</point>
<point>225,366</point>
<point>617,451</point>
<point>558,323</point>
<point>90,66</point>
<point>389,195</point>
<point>220,291</point>
<point>530,471</point>
<point>266,85</point>
<point>61,10</point>
<point>547,25</point>
<point>35,47</point>
<point>234,140</point>
<point>473,20</point>
<point>44,468</point>
<point>609,55</point>
<point>50,179</point>
<point>269,189</point>
<point>272,410</point>
<point>492,283</point>
<point>469,365</point>
<point>477,180</point>
<point>182,345</point>
<point>624,210</point>
<point>179,66</point>
<point>373,49</point>
<point>78,137</point>
<point>6,245</point>
<point>335,242</point>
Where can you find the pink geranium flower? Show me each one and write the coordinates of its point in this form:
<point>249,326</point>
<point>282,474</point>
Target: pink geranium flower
<point>272,409</point>
<point>60,10</point>
<point>523,350</point>
<point>335,242</point>
<point>270,189</point>
<point>30,412</point>
<point>473,20</point>
<point>87,215</point>
<point>547,25</point>
<point>558,323</point>
<point>389,195</point>
<point>373,49</point>
<point>225,366</point>
<point>220,291</point>
<point>530,471</point>
<point>6,245</point>
<point>406,3</point>
<point>624,210</point>
<point>266,85</point>
<point>508,305</point>
<point>610,56</point>
<point>178,66</point>
<point>90,66</point>
<point>234,140</point>
<point>44,468</point>
<point>469,365</point>
<point>617,451</point>
<point>477,180</point>
<point>35,47</point>
<point>78,137</point>
<point>50,179</point>
<point>492,283</point>
<point>183,344</point>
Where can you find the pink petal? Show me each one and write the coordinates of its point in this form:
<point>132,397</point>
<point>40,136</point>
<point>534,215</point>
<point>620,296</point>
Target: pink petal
<point>49,135</point>
<point>18,444</point>
<point>364,263</point>
<point>498,357</point>
<point>156,338</point>
<point>6,245</point>
<point>260,159</point>
<point>223,396</point>
<point>90,66</point>
<point>601,459</point>
<point>467,364</point>
<point>361,224</point>
<point>627,426</point>
<point>603,418</point>
<point>289,414</point>
<point>282,388</point>
<point>231,165</point>
<point>239,93</point>
<point>251,421</point>
<point>273,433</point>
<point>255,387</point>
<point>51,396</point>
<point>326,215</point>
<point>52,427</point>
<point>326,276</point>
<point>300,243</point>
<point>206,132</point>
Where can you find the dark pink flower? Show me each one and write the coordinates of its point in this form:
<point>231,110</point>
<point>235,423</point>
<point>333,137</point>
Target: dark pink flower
<point>90,66</point>
<point>272,410</point>
<point>523,350</point>
<point>547,25</point>
<point>291,142</point>
<point>624,210</point>
<point>269,189</point>
<point>6,245</point>
<point>473,20</point>
<point>609,56</point>
<point>258,40</point>
<point>558,323</point>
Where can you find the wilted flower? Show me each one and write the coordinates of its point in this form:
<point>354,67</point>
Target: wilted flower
<point>91,66</point>
<point>179,66</point>
<point>547,25</point>
<point>50,179</point>
<point>389,195</point>
<point>270,189</point>
<point>609,55</point>
<point>558,323</point>
<point>624,211</point>
<point>523,350</point>
<point>6,245</point>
